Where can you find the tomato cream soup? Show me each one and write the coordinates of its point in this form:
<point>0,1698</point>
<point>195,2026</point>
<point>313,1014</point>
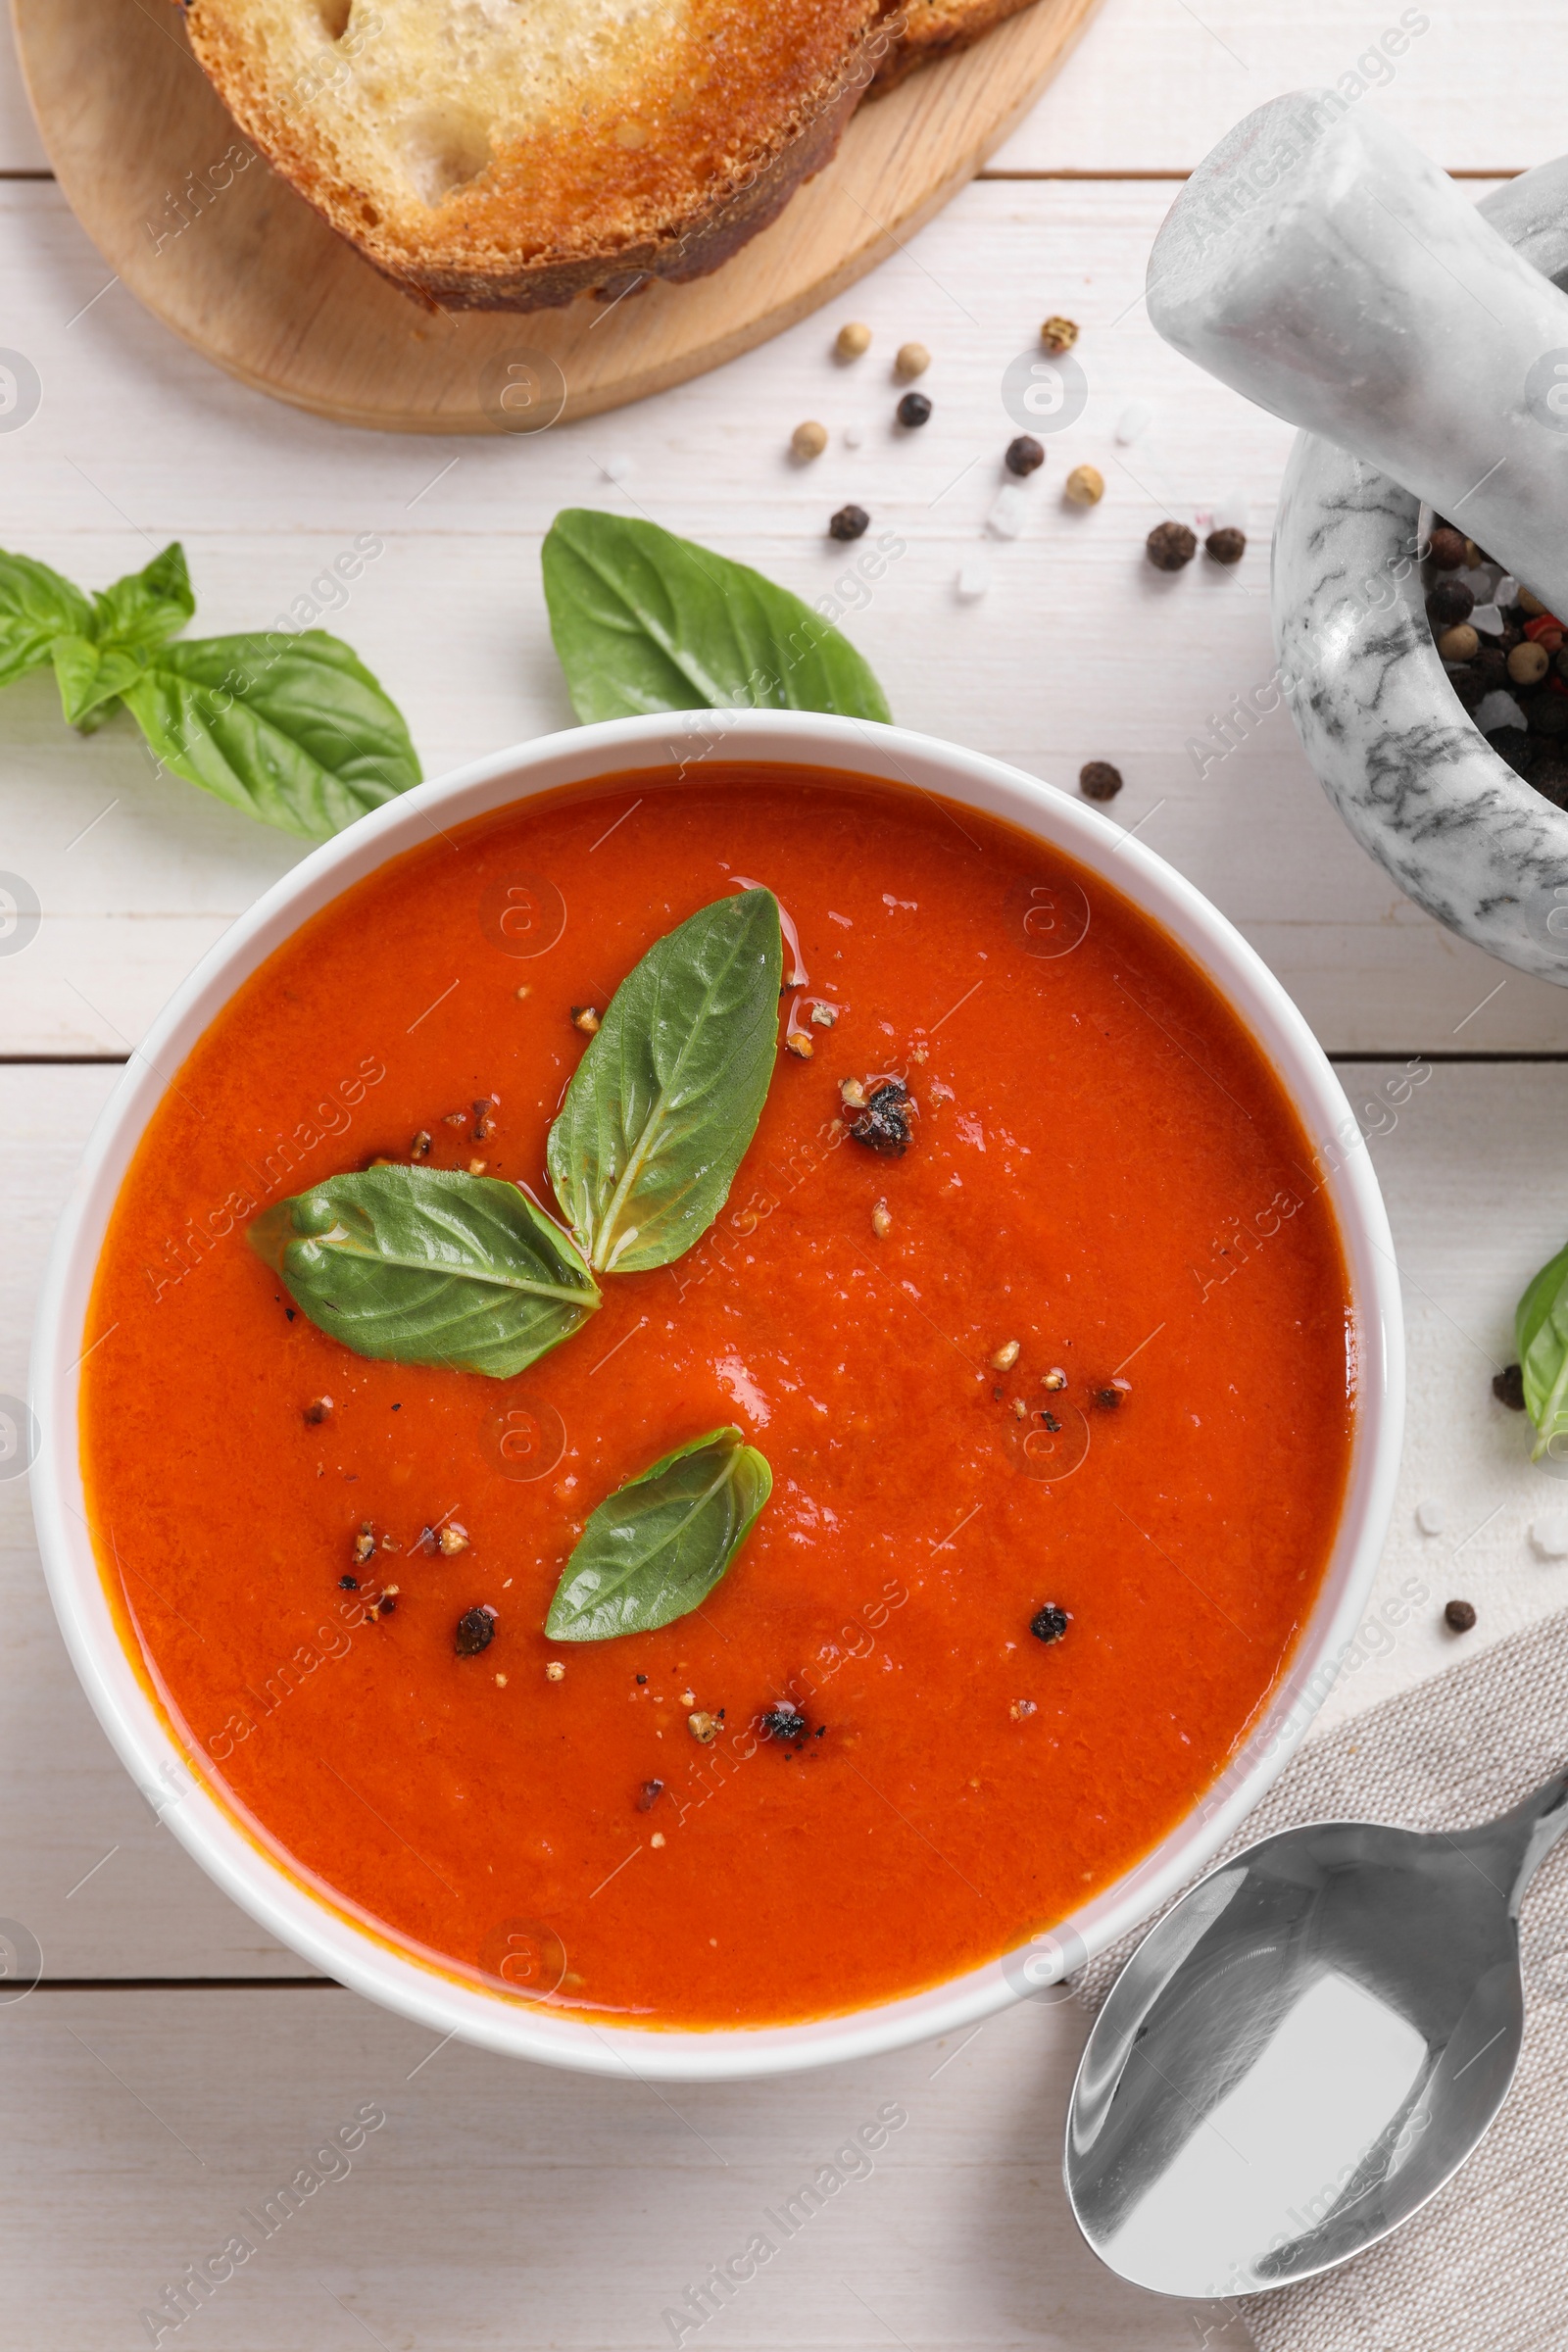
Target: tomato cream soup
<point>1050,1374</point>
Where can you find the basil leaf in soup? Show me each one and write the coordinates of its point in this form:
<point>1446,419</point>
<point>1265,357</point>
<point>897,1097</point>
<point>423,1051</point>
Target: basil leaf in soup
<point>292,729</point>
<point>655,1549</point>
<point>645,621</point>
<point>1541,1333</point>
<point>667,1099</point>
<point>428,1266</point>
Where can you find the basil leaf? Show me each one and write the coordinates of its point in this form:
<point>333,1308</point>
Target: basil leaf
<point>90,678</point>
<point>36,606</point>
<point>655,1549</point>
<point>667,1099</point>
<point>428,1266</point>
<point>1541,1333</point>
<point>145,609</point>
<point>645,621</point>
<point>294,730</point>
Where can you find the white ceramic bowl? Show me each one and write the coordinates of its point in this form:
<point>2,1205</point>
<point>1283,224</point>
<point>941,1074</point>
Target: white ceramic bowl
<point>357,1958</point>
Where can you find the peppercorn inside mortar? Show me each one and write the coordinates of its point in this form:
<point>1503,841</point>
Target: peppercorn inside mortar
<point>1023,1289</point>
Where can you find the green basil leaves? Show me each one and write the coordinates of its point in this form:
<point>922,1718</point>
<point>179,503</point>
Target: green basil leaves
<point>667,1099</point>
<point>288,726</point>
<point>428,1266</point>
<point>294,730</point>
<point>645,621</point>
<point>655,1549</point>
<point>36,606</point>
<point>1541,1333</point>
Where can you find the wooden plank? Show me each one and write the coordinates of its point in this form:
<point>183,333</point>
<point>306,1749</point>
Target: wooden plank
<point>1468,1139</point>
<point>20,148</point>
<point>1154,85</point>
<point>510,2205</point>
<point>1079,652</point>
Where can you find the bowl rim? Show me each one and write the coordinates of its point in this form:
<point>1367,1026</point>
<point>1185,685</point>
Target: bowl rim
<point>284,1906</point>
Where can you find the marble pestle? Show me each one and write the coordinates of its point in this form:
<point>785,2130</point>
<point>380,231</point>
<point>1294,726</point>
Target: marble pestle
<point>1317,262</point>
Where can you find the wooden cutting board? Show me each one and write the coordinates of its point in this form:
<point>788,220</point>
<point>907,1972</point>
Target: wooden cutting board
<point>239,265</point>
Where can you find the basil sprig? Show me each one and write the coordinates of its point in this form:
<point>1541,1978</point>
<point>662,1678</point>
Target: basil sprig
<point>1540,1334</point>
<point>667,1099</point>
<point>428,1266</point>
<point>655,1549</point>
<point>645,621</point>
<point>292,728</point>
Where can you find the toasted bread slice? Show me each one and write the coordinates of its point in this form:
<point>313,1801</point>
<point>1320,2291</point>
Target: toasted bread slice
<point>509,154</point>
<point>933,29</point>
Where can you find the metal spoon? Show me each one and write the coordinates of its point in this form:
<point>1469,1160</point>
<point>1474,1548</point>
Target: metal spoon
<point>1303,2050</point>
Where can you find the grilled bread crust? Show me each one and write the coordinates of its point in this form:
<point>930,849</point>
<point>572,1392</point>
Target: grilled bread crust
<point>934,28</point>
<point>512,154</point>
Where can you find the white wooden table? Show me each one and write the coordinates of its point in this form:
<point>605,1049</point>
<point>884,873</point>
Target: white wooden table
<point>175,2063</point>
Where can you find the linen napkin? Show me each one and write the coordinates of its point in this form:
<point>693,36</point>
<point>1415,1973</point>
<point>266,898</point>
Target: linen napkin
<point>1484,2268</point>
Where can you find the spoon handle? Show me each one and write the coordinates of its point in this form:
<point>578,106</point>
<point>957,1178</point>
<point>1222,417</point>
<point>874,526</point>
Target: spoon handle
<point>1517,1842</point>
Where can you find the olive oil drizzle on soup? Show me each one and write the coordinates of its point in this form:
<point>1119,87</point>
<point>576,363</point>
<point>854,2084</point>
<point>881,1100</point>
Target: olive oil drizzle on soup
<point>1056,1400</point>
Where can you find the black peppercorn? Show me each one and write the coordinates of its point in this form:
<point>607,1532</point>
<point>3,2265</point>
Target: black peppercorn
<point>850,522</point>
<point>783,1723</point>
<point>1446,547</point>
<point>914,409</point>
<point>1513,745</point>
<point>1491,665</point>
<point>476,1629</point>
<point>1548,715</point>
<point>1098,780</point>
<point>1451,602</point>
<point>1551,780</point>
<point>1024,455</point>
<point>1170,545</point>
<point>1226,546</point>
<point>884,1124</point>
<point>1460,1615</point>
<point>1509,1387</point>
<point>1050,1623</point>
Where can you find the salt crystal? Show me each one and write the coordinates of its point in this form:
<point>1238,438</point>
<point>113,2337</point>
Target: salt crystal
<point>975,578</point>
<point>853,435</point>
<point>1478,581</point>
<point>1136,418</point>
<point>1497,710</point>
<point>1431,1518</point>
<point>1009,511</point>
<point>619,469</point>
<point>1487,618</point>
<point>1550,1538</point>
<point>1507,592</point>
